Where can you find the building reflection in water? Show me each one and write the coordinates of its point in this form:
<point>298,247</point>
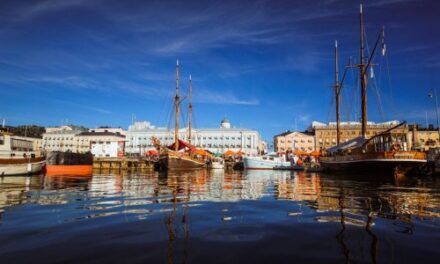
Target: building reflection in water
<point>353,204</point>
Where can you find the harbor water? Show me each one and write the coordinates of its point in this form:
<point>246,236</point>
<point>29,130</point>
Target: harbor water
<point>219,217</point>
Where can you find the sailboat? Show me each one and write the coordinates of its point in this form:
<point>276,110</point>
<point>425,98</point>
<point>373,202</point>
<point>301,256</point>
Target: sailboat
<point>181,154</point>
<point>385,152</point>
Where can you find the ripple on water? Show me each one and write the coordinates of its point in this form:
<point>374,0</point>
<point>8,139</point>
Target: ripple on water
<point>200,216</point>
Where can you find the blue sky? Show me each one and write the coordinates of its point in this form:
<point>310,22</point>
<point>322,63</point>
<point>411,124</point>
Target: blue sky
<point>266,65</point>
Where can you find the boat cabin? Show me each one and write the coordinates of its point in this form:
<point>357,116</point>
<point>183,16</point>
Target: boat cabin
<point>386,142</point>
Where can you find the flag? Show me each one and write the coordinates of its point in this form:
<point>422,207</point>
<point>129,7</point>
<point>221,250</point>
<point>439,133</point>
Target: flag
<point>384,48</point>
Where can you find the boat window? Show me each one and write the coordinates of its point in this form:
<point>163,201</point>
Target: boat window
<point>271,158</point>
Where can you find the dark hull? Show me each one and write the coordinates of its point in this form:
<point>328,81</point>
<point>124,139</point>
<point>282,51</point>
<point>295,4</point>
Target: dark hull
<point>377,166</point>
<point>179,163</point>
<point>68,158</point>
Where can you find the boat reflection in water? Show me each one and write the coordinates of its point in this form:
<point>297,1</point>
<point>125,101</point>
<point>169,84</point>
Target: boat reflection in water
<point>216,216</point>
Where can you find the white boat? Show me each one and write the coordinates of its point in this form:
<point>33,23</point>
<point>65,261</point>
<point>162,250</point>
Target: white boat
<point>21,166</point>
<point>218,163</point>
<point>265,162</point>
<point>17,156</point>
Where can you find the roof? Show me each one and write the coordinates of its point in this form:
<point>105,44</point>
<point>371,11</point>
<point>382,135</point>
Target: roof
<point>355,123</point>
<point>101,134</point>
<point>351,144</point>
<point>163,129</point>
<point>284,133</point>
<point>288,132</point>
<point>225,120</point>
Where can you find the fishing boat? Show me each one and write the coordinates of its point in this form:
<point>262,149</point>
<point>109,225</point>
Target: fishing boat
<point>17,156</point>
<point>69,163</point>
<point>385,152</point>
<point>181,154</point>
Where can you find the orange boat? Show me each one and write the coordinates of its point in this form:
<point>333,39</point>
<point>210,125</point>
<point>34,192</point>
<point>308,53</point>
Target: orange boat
<point>68,163</point>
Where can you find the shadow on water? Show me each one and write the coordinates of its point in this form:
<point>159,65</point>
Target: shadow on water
<point>216,216</point>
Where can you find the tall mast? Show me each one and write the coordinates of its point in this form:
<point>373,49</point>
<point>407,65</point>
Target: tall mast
<point>337,94</point>
<point>176,104</point>
<point>363,76</point>
<point>190,110</point>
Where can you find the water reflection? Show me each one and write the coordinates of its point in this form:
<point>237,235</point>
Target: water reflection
<point>364,217</point>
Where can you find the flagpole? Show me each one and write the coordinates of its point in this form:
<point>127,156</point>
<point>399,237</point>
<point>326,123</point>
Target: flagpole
<point>436,111</point>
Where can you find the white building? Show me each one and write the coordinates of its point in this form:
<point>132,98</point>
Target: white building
<point>71,139</point>
<point>107,149</point>
<point>216,140</point>
<point>102,144</point>
<point>61,140</point>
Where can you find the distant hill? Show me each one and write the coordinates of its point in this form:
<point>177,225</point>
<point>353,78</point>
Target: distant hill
<point>26,130</point>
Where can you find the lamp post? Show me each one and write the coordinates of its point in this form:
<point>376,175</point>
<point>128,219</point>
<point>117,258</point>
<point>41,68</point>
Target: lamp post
<point>433,93</point>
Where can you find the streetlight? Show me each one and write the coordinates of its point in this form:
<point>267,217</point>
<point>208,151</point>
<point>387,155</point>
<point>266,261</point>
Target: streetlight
<point>433,93</point>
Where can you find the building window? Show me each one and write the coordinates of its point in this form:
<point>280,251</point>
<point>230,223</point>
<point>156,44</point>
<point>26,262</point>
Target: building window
<point>2,140</point>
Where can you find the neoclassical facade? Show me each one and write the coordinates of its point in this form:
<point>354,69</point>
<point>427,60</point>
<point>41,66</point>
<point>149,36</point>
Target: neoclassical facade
<point>296,141</point>
<point>216,140</point>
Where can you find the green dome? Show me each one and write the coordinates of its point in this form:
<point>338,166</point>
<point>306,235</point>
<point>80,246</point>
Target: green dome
<point>225,120</point>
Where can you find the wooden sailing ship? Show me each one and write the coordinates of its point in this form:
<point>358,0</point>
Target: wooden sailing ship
<point>385,152</point>
<point>181,154</point>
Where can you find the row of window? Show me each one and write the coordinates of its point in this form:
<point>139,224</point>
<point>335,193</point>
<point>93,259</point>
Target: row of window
<point>203,146</point>
<point>298,148</point>
<point>333,133</point>
<point>199,138</point>
<point>296,141</point>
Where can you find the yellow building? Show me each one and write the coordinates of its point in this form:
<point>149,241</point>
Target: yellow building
<point>325,134</point>
<point>424,138</point>
<point>294,140</point>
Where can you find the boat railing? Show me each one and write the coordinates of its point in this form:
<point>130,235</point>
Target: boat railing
<point>397,155</point>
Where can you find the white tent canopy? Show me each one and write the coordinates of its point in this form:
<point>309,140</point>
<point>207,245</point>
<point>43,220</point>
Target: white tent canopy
<point>353,143</point>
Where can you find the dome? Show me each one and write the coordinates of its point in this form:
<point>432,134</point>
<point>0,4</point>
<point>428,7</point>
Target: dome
<point>225,123</point>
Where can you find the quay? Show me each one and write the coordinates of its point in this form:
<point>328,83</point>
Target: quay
<point>124,163</point>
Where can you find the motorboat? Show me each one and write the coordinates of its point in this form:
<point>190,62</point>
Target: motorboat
<point>265,162</point>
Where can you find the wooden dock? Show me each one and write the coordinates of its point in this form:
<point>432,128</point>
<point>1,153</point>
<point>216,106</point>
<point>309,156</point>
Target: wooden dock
<point>124,163</point>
